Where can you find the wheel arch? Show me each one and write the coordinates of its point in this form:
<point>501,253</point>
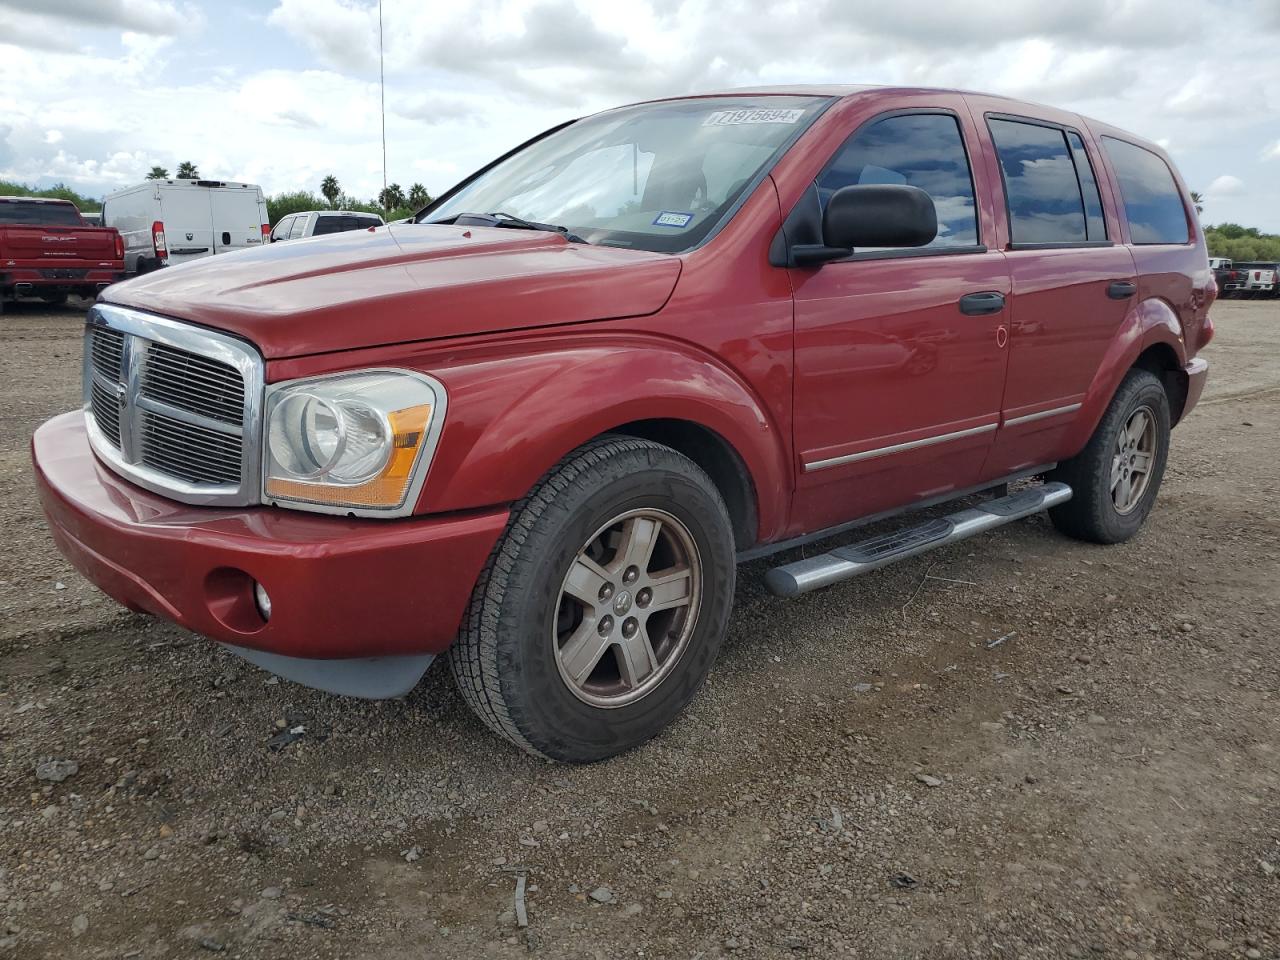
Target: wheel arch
<point>1150,338</point>
<point>524,414</point>
<point>1162,360</point>
<point>718,458</point>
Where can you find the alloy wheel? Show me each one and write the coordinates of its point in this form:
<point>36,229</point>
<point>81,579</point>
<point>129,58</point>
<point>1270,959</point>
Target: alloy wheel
<point>1133,459</point>
<point>627,608</point>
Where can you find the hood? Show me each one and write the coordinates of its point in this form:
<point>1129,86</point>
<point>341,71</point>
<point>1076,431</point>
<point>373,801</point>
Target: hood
<point>403,283</point>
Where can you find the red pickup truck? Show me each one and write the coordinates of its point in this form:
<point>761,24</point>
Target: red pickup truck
<point>538,428</point>
<point>47,250</point>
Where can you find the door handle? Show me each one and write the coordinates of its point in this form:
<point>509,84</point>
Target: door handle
<point>981,304</point>
<point>1121,289</point>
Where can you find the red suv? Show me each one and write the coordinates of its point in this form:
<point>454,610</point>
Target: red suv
<point>538,428</point>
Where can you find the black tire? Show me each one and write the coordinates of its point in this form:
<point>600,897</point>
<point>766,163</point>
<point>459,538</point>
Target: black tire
<point>505,660</point>
<point>1092,513</point>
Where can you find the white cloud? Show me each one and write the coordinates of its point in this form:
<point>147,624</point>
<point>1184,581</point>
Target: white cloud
<point>160,17</point>
<point>287,96</point>
<point>343,33</point>
<point>1225,186</point>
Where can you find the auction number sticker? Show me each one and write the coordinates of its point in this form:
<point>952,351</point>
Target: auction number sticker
<point>671,218</point>
<point>729,118</point>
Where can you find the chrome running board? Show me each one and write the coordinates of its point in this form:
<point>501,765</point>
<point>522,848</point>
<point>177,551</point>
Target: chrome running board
<point>793,579</point>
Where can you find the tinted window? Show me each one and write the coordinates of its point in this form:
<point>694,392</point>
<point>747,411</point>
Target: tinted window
<point>919,150</point>
<point>364,223</point>
<point>1040,183</point>
<point>39,214</point>
<point>1152,202</point>
<point>1095,223</point>
<point>327,224</point>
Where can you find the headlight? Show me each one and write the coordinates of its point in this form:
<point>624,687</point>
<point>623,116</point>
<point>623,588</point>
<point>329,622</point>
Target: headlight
<point>357,443</point>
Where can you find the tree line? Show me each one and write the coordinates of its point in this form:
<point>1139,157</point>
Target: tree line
<point>393,203</point>
<point>1242,243</point>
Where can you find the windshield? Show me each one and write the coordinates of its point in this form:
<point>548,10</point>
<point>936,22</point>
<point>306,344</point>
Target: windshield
<point>658,176</point>
<point>39,214</point>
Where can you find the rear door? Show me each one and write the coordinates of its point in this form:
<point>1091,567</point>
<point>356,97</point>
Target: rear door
<point>236,217</point>
<point>1073,284</point>
<point>188,228</point>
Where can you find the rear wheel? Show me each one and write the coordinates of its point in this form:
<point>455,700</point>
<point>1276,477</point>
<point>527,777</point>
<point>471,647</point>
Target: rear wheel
<point>1116,477</point>
<point>603,607</point>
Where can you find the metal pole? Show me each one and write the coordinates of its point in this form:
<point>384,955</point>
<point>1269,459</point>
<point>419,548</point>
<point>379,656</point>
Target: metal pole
<point>382,94</point>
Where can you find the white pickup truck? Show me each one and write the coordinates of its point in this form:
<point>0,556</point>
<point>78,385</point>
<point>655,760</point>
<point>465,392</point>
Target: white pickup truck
<point>1258,279</point>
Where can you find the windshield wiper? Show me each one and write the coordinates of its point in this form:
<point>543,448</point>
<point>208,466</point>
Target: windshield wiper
<point>511,221</point>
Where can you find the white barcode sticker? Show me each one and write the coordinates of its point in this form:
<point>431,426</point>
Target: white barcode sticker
<point>672,218</point>
<point>728,118</point>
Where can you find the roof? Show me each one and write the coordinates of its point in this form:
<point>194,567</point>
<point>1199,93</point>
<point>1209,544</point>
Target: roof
<point>840,90</point>
<point>344,213</point>
<point>38,199</point>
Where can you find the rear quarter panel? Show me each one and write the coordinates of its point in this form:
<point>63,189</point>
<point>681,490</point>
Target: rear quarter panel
<point>1175,291</point>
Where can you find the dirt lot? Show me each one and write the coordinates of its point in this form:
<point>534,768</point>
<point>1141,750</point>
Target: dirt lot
<point>1073,752</point>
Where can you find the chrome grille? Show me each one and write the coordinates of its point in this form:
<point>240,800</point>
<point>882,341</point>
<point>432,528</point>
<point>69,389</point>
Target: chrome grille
<point>107,348</point>
<point>189,452</point>
<point>106,411</point>
<point>173,407</point>
<point>193,383</point>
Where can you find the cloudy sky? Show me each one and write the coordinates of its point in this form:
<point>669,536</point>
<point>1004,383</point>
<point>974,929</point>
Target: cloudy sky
<point>281,92</point>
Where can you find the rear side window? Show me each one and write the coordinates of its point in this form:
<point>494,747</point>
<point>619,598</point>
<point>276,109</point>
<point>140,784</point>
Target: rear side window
<point>332,225</point>
<point>299,227</point>
<point>920,150</point>
<point>1095,222</point>
<point>341,224</point>
<point>1152,201</point>
<point>29,212</point>
<point>1040,184</point>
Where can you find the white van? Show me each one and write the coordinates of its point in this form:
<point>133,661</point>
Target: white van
<point>173,221</point>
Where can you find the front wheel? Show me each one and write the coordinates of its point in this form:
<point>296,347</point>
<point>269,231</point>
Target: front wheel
<point>602,608</point>
<point>1116,477</point>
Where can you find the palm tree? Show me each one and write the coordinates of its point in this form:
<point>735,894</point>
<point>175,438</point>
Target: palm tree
<point>392,197</point>
<point>158,173</point>
<point>1198,201</point>
<point>329,187</point>
<point>418,196</point>
<point>187,171</point>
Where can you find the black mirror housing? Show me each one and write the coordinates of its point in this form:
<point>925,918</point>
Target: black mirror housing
<point>879,215</point>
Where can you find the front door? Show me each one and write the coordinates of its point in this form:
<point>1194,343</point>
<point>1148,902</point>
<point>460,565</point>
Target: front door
<point>900,354</point>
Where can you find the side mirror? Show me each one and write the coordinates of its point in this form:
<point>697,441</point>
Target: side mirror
<point>872,215</point>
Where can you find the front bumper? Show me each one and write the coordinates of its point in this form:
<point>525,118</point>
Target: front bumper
<point>339,587</point>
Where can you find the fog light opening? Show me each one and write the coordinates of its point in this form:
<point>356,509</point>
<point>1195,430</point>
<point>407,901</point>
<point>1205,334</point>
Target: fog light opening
<point>262,599</point>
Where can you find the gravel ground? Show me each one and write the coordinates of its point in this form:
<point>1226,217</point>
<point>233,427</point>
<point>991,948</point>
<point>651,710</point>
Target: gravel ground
<point>1020,746</point>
